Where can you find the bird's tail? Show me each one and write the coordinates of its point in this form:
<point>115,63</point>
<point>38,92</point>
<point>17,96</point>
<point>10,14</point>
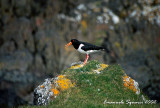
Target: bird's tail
<point>105,49</point>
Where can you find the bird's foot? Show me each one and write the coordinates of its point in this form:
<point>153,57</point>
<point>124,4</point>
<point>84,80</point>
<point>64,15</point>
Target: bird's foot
<point>84,63</point>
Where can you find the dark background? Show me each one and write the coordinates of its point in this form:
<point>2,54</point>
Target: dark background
<point>33,34</point>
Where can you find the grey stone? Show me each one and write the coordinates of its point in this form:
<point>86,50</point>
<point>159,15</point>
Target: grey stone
<point>19,60</point>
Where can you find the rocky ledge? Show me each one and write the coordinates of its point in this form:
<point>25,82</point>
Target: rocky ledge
<point>89,84</point>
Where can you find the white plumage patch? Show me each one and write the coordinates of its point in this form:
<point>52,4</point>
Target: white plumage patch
<point>92,51</point>
<point>80,50</point>
<point>85,52</point>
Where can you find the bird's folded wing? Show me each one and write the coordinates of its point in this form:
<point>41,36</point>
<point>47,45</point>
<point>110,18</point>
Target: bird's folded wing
<point>88,46</point>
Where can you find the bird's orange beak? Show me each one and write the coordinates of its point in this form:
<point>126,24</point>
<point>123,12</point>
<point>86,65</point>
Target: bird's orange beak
<point>70,43</point>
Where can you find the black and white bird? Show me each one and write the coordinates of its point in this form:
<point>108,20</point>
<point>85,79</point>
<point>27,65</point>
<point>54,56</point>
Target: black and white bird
<point>84,47</point>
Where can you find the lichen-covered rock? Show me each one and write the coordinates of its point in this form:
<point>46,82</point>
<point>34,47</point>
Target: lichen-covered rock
<point>42,94</point>
<point>131,84</point>
<point>47,91</point>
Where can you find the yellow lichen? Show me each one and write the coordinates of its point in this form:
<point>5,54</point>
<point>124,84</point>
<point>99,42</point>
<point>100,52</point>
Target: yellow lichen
<point>60,84</point>
<point>1,65</point>
<point>102,66</point>
<point>76,66</point>
<point>60,76</point>
<point>63,83</point>
<point>84,24</point>
<point>117,44</point>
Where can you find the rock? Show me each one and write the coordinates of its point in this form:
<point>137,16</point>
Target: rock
<point>22,83</point>
<point>9,99</point>
<point>39,62</point>
<point>7,48</point>
<point>21,34</point>
<point>19,60</point>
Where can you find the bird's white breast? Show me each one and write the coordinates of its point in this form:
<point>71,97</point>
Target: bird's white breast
<point>80,50</point>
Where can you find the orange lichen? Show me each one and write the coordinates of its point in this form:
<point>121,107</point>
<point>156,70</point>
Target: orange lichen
<point>60,76</point>
<point>55,91</point>
<point>42,86</point>
<point>125,84</point>
<point>129,83</point>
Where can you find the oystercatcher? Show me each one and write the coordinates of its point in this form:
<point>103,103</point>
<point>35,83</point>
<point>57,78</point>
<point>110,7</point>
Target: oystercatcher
<point>84,47</point>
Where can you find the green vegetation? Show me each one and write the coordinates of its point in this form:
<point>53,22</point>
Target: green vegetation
<point>94,90</point>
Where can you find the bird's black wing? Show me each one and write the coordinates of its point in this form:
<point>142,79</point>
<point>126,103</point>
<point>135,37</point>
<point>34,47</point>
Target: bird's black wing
<point>88,46</point>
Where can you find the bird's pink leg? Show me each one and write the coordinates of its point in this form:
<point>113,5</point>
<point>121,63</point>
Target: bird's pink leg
<point>87,56</point>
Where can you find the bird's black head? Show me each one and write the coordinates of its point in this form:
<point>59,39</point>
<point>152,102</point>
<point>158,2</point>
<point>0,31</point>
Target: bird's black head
<point>75,43</point>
